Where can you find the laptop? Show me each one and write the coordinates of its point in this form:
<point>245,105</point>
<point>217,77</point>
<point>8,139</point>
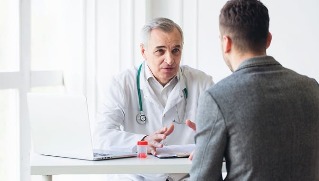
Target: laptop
<point>60,126</point>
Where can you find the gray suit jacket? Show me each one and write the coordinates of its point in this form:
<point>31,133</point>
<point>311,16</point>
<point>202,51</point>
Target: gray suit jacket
<point>264,119</point>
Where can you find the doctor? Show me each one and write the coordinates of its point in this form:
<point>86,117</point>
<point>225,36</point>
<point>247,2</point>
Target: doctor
<point>152,101</point>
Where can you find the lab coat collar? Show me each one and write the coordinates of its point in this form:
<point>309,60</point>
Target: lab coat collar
<point>147,91</point>
<point>176,95</point>
<point>146,74</point>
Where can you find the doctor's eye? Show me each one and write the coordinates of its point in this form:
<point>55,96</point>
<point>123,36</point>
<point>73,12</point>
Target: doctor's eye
<point>176,51</point>
<point>159,52</point>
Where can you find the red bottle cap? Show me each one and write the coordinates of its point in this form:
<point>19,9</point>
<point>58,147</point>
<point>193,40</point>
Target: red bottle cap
<point>142,143</point>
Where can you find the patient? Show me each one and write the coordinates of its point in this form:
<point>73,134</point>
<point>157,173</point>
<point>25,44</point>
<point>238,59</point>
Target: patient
<point>264,118</point>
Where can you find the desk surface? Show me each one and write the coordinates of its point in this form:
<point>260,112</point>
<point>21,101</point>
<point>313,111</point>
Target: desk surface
<point>47,165</point>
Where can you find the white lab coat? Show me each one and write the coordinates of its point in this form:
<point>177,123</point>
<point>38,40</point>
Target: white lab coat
<point>116,125</point>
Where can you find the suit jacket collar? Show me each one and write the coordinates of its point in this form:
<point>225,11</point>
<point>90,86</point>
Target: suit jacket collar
<point>257,62</point>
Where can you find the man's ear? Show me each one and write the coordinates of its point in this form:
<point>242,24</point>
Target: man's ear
<point>142,48</point>
<point>269,38</point>
<point>227,44</point>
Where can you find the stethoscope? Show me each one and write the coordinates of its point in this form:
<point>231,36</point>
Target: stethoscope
<point>141,117</point>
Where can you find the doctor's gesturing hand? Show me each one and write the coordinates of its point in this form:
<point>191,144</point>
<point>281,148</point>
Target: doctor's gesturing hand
<point>192,125</point>
<point>154,140</point>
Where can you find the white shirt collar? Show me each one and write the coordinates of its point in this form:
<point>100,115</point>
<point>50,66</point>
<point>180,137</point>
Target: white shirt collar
<point>162,93</point>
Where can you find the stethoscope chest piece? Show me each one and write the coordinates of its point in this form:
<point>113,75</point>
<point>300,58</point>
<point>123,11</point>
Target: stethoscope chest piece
<point>141,118</point>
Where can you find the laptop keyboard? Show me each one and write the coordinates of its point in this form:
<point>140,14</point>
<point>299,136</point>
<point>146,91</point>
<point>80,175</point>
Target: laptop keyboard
<point>100,154</point>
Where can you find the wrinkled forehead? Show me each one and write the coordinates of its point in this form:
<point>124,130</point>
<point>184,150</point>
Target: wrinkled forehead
<point>159,37</point>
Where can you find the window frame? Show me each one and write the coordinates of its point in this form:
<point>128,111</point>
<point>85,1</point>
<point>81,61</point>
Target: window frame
<point>22,80</point>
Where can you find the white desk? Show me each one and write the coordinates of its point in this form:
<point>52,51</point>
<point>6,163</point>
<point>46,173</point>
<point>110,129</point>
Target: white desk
<point>48,166</point>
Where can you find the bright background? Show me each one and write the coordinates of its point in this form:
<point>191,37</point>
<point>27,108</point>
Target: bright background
<point>77,45</point>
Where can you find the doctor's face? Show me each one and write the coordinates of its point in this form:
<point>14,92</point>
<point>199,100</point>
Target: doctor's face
<point>163,54</point>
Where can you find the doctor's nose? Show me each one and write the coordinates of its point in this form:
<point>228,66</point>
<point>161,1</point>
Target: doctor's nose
<point>169,59</point>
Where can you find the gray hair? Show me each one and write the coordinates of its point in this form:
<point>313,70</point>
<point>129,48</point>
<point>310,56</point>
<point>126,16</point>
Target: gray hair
<point>163,24</point>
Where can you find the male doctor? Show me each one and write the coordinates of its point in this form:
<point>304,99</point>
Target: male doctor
<point>152,101</point>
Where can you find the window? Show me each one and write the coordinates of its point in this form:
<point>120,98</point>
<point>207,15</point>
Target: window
<point>48,61</point>
<point>9,155</point>
<point>9,94</point>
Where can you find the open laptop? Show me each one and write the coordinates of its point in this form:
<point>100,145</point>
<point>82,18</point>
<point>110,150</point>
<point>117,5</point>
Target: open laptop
<point>60,126</point>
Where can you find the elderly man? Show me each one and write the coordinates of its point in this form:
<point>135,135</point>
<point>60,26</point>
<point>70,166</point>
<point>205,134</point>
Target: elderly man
<point>152,101</point>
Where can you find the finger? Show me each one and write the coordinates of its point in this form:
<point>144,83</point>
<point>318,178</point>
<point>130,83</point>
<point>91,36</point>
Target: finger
<point>154,140</point>
<point>151,150</point>
<point>191,156</point>
<point>169,130</point>
<point>161,131</point>
<point>157,144</point>
<point>158,137</point>
<point>190,124</point>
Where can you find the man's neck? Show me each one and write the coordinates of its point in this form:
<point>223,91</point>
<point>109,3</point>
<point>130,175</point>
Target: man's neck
<point>238,59</point>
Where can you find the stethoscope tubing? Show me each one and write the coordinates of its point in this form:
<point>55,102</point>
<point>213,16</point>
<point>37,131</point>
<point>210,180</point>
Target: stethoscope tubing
<point>141,117</point>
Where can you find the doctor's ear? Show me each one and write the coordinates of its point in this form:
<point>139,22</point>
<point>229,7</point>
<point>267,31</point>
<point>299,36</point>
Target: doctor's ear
<point>142,48</point>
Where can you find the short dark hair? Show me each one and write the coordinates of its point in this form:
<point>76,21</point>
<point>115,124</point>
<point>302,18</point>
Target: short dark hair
<point>247,24</point>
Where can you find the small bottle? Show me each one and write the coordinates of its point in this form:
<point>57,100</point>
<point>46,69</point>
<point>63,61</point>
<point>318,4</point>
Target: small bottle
<point>142,149</point>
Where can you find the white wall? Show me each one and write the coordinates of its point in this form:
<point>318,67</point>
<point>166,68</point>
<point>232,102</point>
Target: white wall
<point>293,24</point>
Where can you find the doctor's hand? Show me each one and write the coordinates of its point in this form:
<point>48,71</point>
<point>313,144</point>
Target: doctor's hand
<point>190,124</point>
<point>154,140</point>
<point>191,156</point>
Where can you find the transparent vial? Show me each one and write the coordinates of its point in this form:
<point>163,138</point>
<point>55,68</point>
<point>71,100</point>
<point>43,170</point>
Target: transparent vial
<point>142,149</point>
